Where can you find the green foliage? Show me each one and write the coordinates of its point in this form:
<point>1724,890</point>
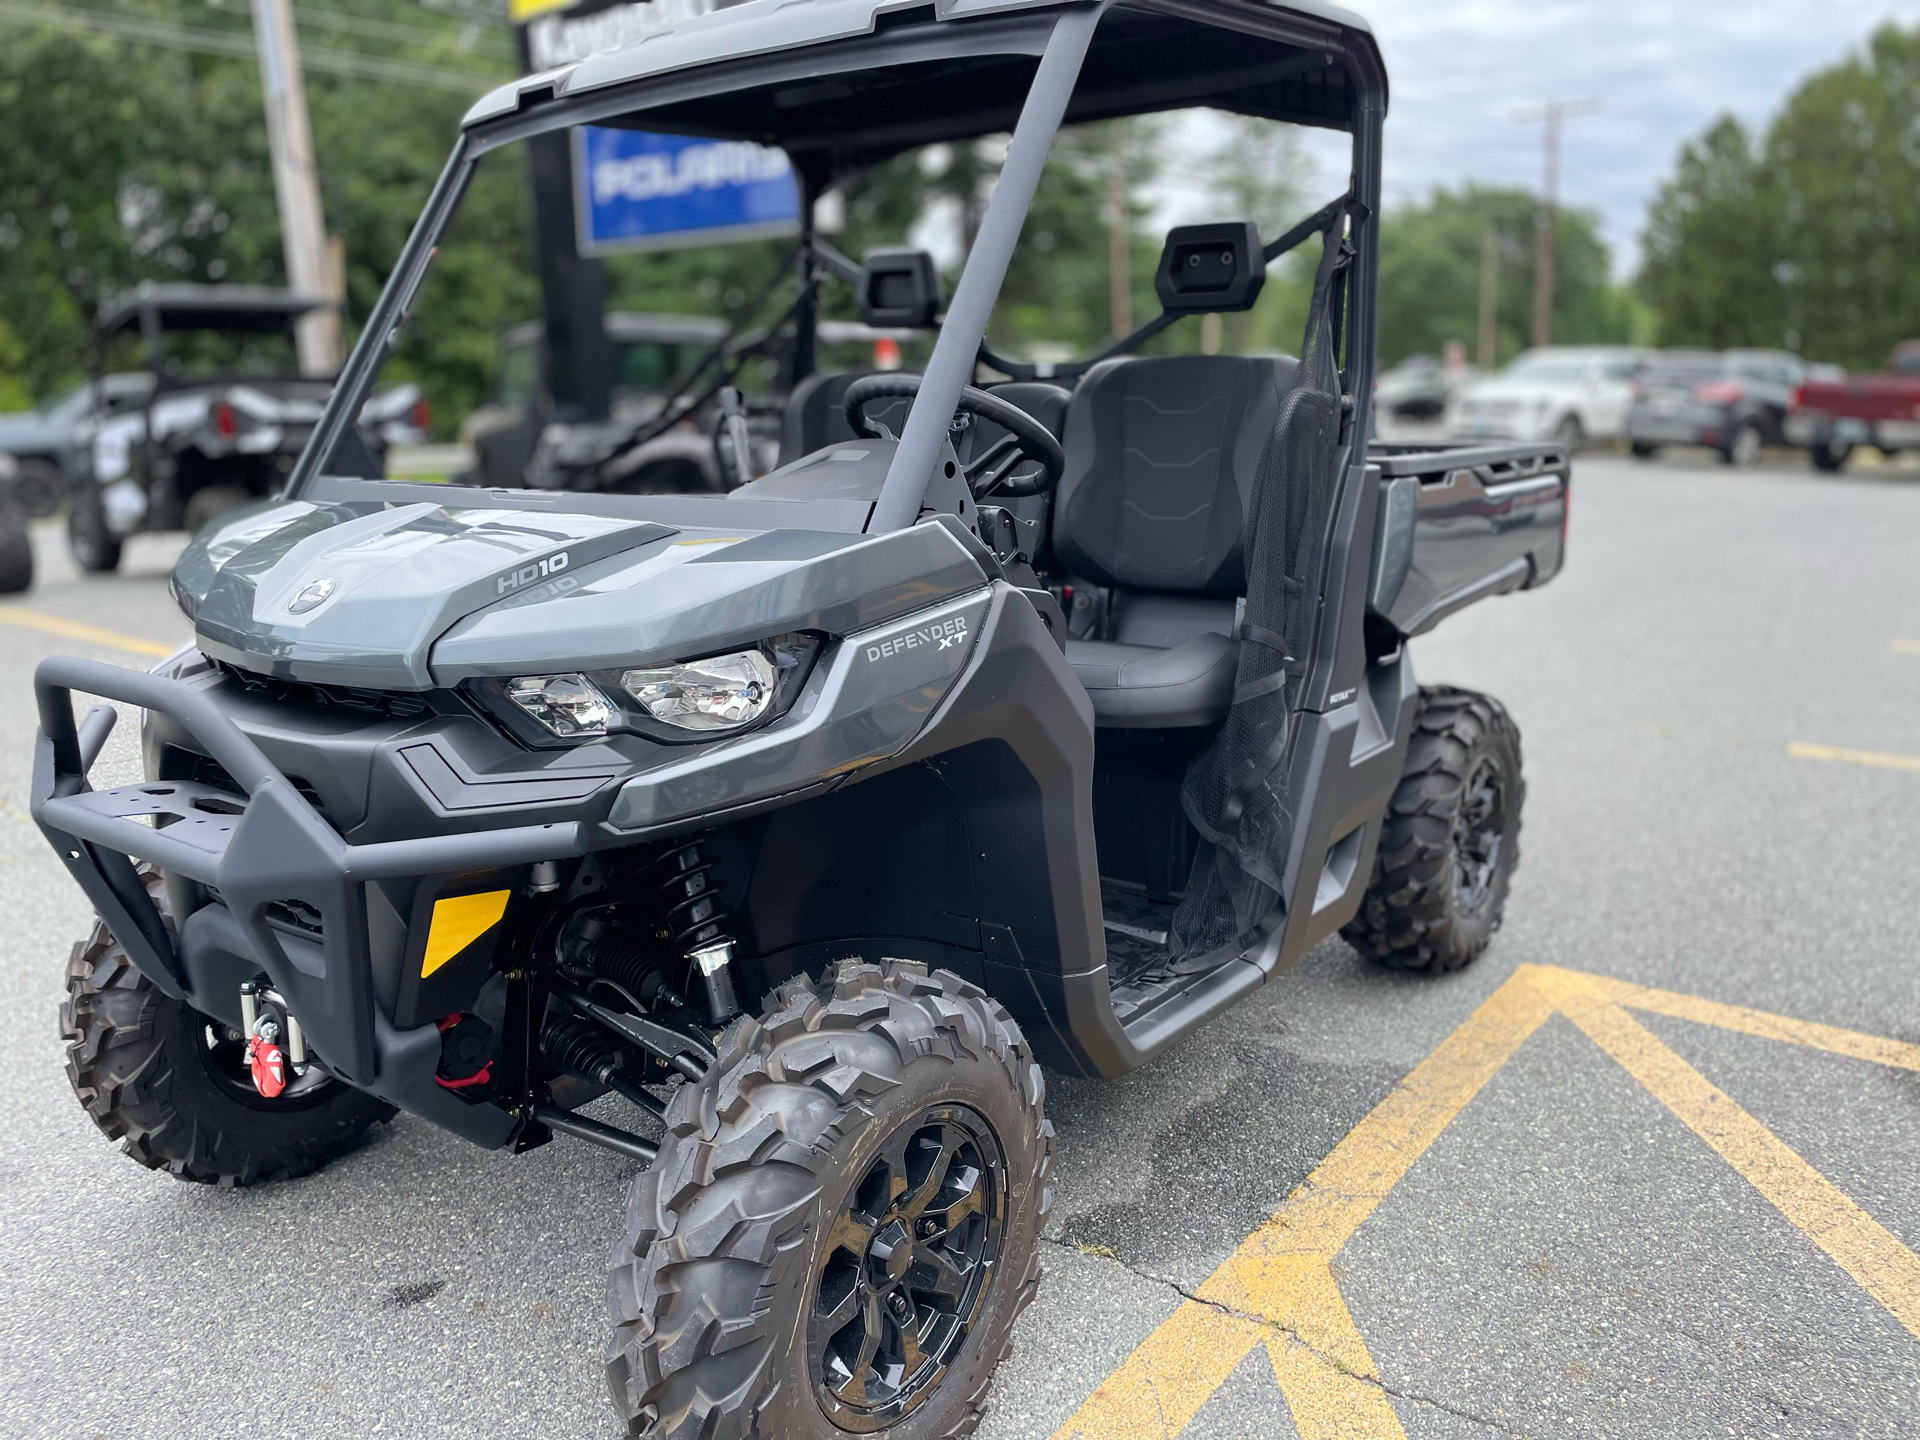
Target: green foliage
<point>126,161</point>
<point>1430,275</point>
<point>1808,239</point>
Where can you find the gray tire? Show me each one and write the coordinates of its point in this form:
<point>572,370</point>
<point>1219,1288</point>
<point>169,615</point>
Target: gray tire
<point>144,1069</point>
<point>1746,447</point>
<point>40,488</point>
<point>95,549</point>
<point>1831,456</point>
<point>16,555</point>
<point>1450,841</point>
<point>744,1240</point>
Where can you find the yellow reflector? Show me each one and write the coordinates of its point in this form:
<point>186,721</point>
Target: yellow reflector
<point>458,921</point>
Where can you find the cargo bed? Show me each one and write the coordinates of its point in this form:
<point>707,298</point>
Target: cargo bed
<point>1457,523</point>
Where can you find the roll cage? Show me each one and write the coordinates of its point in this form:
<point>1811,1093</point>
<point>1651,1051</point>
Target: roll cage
<point>843,86</point>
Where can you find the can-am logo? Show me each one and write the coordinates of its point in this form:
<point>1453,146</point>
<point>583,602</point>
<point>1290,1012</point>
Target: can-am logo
<point>944,634</point>
<point>530,574</point>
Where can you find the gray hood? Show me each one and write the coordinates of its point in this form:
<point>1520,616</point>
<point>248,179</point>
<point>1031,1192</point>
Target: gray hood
<point>356,594</point>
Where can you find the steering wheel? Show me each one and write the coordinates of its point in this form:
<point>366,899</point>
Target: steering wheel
<point>1027,441</point>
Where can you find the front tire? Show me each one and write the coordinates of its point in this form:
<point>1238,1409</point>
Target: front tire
<point>843,1222</point>
<point>1644,449</point>
<point>159,1077</point>
<point>1450,841</point>
<point>95,549</point>
<point>1569,432</point>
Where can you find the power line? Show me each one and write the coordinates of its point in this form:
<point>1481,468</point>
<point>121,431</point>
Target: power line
<point>226,43</point>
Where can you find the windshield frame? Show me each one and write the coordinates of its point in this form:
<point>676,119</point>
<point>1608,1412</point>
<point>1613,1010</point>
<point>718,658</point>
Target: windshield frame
<point>1060,37</point>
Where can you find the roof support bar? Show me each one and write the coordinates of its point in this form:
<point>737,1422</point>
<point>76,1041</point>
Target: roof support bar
<point>951,367</point>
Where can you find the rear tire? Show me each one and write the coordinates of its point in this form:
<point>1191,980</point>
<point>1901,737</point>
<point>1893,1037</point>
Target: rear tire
<point>1450,841</point>
<point>142,1066</point>
<point>95,549</point>
<point>1744,450</point>
<point>1831,456</point>
<point>763,1220</point>
<point>1644,449</point>
<point>1569,432</point>
<point>40,488</point>
<point>16,555</point>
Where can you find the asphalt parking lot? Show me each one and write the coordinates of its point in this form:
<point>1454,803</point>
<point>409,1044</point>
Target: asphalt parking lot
<point>1646,1170</point>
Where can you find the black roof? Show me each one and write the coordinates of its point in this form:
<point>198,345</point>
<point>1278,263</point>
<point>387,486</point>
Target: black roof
<point>183,306</point>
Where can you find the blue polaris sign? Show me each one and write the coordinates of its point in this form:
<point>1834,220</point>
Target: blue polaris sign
<point>637,191</point>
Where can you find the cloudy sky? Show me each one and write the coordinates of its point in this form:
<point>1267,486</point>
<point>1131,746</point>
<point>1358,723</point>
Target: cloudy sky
<point>1663,69</point>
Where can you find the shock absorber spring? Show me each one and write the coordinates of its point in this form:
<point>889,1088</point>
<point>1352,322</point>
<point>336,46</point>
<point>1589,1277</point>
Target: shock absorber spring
<point>693,921</point>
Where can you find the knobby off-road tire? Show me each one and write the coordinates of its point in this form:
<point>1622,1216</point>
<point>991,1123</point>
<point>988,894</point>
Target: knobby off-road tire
<point>16,555</point>
<point>95,549</point>
<point>1450,840</point>
<point>142,1067</point>
<point>742,1236</point>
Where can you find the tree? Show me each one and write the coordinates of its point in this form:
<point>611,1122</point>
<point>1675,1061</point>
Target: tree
<point>1808,241</point>
<point>1711,235</point>
<point>1430,274</point>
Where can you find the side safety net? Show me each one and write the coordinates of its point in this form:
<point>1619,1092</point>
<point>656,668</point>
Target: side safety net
<point>1236,789</point>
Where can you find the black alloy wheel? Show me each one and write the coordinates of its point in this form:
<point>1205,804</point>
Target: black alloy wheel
<point>1479,833</point>
<point>844,1220</point>
<point>1449,841</point>
<point>905,1269</point>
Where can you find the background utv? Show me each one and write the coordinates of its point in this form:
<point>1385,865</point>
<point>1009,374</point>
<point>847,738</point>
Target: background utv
<point>1035,723</point>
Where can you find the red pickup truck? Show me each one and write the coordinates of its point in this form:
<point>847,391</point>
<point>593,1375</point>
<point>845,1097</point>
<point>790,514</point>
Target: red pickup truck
<point>1832,414</point>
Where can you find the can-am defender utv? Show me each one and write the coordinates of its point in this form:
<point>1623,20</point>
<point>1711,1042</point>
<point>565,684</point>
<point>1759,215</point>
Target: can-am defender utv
<point>807,820</point>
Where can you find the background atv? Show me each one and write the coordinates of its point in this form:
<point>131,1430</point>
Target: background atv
<point>1023,715</point>
<point>213,418</point>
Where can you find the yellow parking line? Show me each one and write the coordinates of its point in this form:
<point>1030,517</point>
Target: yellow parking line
<point>80,630</point>
<point>1802,750</point>
<point>1906,647</point>
<point>1851,1043</point>
<point>1853,1239</point>
<point>1278,1290</point>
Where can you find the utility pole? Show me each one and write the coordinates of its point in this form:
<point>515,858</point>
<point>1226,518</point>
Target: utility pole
<point>1553,112</point>
<point>1119,235</point>
<point>1489,298</point>
<point>296,184</point>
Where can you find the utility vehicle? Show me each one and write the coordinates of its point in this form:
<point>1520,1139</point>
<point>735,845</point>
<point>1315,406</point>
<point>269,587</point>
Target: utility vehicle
<point>1010,724</point>
<point>214,415</point>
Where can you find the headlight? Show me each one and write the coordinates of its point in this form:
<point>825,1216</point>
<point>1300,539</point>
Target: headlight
<point>683,701</point>
<point>722,693</point>
<point>568,705</point>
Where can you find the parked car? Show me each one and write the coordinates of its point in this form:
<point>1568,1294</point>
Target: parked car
<point>1565,393</point>
<point>1733,401</point>
<point>1420,387</point>
<point>215,418</point>
<point>1833,411</point>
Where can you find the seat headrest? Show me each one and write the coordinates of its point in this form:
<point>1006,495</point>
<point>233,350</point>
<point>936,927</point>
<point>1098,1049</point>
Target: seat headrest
<point>1162,455</point>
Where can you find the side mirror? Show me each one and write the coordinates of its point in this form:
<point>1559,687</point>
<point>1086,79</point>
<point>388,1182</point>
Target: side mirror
<point>899,290</point>
<point>1210,268</point>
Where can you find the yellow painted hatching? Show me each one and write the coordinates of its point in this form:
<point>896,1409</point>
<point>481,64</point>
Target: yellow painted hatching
<point>458,921</point>
<point>1277,1291</point>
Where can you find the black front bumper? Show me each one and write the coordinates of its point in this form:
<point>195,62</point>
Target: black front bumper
<point>266,853</point>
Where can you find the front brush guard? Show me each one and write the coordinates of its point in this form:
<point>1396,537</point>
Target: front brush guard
<point>258,854</point>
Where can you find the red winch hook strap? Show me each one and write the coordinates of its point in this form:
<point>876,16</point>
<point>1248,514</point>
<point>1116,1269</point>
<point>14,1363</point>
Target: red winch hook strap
<point>268,1065</point>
